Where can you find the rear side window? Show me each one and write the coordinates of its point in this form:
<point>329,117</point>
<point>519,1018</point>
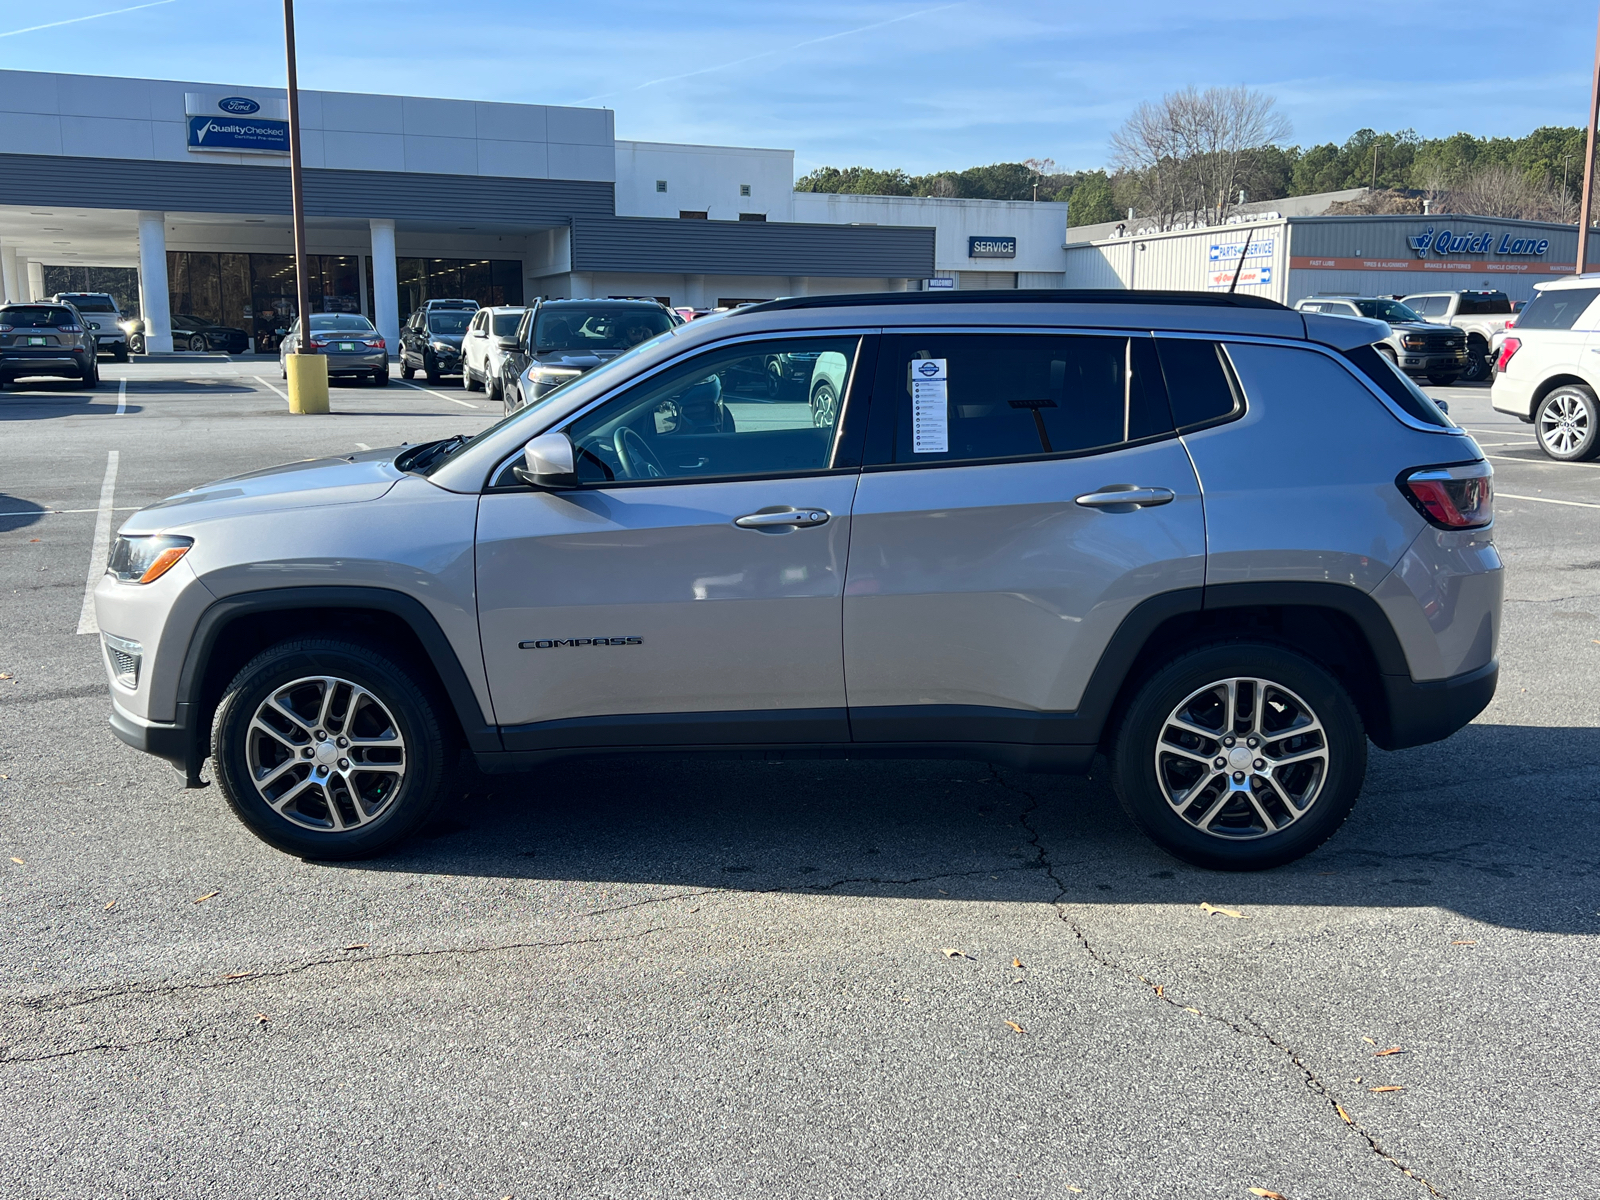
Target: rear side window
<point>1200,383</point>
<point>36,316</point>
<point>1556,308</point>
<point>1411,399</point>
<point>967,397</point>
<point>1428,306</point>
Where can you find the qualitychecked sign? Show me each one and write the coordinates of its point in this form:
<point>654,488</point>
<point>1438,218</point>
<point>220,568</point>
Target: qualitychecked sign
<point>226,133</point>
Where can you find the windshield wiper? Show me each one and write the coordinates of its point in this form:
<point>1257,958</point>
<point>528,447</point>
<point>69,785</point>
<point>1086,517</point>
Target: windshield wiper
<point>420,458</point>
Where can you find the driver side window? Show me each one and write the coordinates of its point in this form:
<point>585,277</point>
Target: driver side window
<point>752,408</point>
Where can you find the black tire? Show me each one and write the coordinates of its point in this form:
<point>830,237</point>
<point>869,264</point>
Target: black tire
<point>197,343</point>
<point>405,369</point>
<point>136,343</point>
<point>430,368</point>
<point>380,377</point>
<point>90,377</point>
<point>1442,380</point>
<point>1567,424</point>
<point>491,388</point>
<point>470,381</point>
<point>120,353</point>
<point>1477,368</point>
<point>414,714</point>
<point>1239,840</point>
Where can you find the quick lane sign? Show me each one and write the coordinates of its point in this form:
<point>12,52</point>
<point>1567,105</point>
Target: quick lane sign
<point>235,134</point>
<point>1447,241</point>
<point>991,247</point>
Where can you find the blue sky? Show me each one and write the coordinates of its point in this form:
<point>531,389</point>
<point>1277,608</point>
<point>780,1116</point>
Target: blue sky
<point>910,83</point>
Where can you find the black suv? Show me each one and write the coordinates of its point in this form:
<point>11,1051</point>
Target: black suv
<point>431,340</point>
<point>558,340</point>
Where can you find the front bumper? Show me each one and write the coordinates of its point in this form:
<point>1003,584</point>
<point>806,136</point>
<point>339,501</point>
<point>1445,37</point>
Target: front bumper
<point>176,742</point>
<point>1432,710</point>
<point>1437,364</point>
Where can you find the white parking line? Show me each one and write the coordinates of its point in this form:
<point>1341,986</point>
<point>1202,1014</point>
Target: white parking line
<point>1500,432</point>
<point>1543,462</point>
<point>362,446</point>
<point>62,512</point>
<point>1546,500</point>
<point>122,397</point>
<point>101,546</point>
<point>441,395</point>
<point>268,386</point>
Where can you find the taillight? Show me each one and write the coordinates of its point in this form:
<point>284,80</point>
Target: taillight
<point>70,328</point>
<point>6,328</point>
<point>376,343</point>
<point>1455,497</point>
<point>1508,349</point>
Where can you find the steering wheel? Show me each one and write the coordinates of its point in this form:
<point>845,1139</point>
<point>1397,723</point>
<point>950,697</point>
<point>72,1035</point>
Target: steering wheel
<point>638,460</point>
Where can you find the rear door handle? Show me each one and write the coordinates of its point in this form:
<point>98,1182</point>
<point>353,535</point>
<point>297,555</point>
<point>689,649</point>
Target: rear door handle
<point>1126,497</point>
<point>786,518</point>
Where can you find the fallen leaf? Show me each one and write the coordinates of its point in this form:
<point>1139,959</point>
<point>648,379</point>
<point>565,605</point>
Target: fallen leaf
<point>356,946</point>
<point>240,975</point>
<point>1343,1116</point>
<point>262,1019</point>
<point>1227,912</point>
<point>1463,943</point>
<point>1017,963</point>
<point>948,953</point>
<point>695,909</point>
<point>1070,1188</point>
<point>1266,1195</point>
<point>110,904</point>
<point>1160,990</point>
<point>207,896</point>
<point>5,674</point>
<point>941,891</point>
<point>1370,1041</point>
<point>18,861</point>
<point>1390,1088</point>
<point>1389,1051</point>
<point>1195,1011</point>
<point>1017,1027</point>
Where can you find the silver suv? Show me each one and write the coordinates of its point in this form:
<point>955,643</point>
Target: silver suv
<point>1225,553</point>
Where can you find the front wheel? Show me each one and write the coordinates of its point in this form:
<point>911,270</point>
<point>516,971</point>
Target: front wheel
<point>470,381</point>
<point>824,406</point>
<point>405,368</point>
<point>1477,368</point>
<point>1441,380</point>
<point>1239,756</point>
<point>198,343</point>
<point>491,388</point>
<point>1568,424</point>
<point>136,343</point>
<point>327,749</point>
<point>430,368</point>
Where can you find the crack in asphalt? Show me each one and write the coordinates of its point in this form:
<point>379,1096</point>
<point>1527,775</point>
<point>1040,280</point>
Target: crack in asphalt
<point>110,1046</point>
<point>1312,1082</point>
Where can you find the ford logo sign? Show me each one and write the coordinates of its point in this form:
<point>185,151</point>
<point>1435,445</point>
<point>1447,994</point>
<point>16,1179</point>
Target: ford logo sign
<point>239,106</point>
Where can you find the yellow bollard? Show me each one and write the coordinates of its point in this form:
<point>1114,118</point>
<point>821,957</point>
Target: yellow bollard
<point>308,383</point>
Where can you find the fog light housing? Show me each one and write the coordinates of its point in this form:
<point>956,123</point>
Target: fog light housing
<point>125,657</point>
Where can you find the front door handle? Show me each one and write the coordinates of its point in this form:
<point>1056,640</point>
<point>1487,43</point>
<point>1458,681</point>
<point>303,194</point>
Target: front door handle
<point>783,518</point>
<point>1126,497</point>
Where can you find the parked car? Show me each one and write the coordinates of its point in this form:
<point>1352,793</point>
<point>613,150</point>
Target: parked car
<point>431,339</point>
<point>351,344</point>
<point>1548,371</point>
<point>481,352</point>
<point>558,340</point>
<point>998,551</point>
<point>1413,345</point>
<point>1478,314</point>
<point>48,338</point>
<point>100,313</point>
<point>190,332</point>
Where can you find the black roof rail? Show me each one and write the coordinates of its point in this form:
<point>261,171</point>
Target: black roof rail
<point>1020,296</point>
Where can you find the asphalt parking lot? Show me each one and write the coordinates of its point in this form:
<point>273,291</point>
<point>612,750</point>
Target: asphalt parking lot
<point>660,978</point>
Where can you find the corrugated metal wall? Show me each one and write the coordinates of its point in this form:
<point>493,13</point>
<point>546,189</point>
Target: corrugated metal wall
<point>123,183</point>
<point>648,244</point>
<point>1187,261</point>
<point>1105,266</point>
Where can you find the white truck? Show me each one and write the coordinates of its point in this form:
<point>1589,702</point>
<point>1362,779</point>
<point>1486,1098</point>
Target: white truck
<point>1478,314</point>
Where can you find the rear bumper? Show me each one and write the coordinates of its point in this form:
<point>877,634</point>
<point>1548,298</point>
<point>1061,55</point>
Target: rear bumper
<point>357,364</point>
<point>1514,396</point>
<point>18,366</point>
<point>1434,709</point>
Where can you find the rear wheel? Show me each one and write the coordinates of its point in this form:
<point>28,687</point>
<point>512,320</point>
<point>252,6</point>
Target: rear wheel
<point>119,353</point>
<point>824,406</point>
<point>327,749</point>
<point>90,376</point>
<point>1568,424</point>
<point>470,381</point>
<point>491,387</point>
<point>1239,756</point>
<point>1477,368</point>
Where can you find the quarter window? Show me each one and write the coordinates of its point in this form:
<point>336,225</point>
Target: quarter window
<point>961,397</point>
<point>753,408</point>
<point>1200,384</point>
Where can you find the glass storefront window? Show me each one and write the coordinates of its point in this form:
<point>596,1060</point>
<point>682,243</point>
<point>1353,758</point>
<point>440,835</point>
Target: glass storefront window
<point>489,281</point>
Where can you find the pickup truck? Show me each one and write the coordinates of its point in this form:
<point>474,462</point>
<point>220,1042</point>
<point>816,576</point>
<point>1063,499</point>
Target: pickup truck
<point>1415,346</point>
<point>1479,314</point>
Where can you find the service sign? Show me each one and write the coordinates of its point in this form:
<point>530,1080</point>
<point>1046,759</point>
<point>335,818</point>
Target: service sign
<point>234,135</point>
<point>991,247</point>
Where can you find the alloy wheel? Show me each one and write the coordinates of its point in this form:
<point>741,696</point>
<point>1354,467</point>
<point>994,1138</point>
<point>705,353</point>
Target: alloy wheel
<point>1241,758</point>
<point>1563,424</point>
<point>325,754</point>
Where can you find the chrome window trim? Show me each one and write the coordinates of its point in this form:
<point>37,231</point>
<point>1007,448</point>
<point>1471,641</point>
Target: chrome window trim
<point>491,481</point>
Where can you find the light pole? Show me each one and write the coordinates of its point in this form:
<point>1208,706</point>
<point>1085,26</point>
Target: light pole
<point>1585,206</point>
<point>307,370</point>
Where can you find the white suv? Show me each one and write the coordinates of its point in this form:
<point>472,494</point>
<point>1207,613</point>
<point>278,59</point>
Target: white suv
<point>1544,372</point>
<point>481,353</point>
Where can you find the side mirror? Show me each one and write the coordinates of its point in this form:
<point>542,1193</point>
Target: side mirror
<point>509,342</point>
<point>548,462</point>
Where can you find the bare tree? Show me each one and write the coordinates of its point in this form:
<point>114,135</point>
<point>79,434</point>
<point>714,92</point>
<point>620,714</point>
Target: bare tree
<point>1191,151</point>
<point>1500,191</point>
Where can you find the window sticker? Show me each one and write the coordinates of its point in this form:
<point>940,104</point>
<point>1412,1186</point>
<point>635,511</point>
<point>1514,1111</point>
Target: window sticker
<point>930,407</point>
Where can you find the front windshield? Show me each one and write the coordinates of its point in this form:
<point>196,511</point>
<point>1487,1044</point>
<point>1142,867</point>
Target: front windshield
<point>449,322</point>
<point>601,376</point>
<point>349,321</point>
<point>578,329</point>
<point>1387,310</point>
<point>94,304</point>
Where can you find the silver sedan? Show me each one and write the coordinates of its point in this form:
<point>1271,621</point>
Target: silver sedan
<point>352,346</point>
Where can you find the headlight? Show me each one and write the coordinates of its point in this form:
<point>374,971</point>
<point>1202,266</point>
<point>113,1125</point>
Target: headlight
<point>1413,343</point>
<point>545,380</point>
<point>443,348</point>
<point>146,559</point>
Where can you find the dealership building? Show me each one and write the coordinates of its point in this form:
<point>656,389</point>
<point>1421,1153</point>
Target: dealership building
<point>1289,249</point>
<point>410,198</point>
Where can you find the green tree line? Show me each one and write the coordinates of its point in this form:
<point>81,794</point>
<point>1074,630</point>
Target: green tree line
<point>1551,155</point>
